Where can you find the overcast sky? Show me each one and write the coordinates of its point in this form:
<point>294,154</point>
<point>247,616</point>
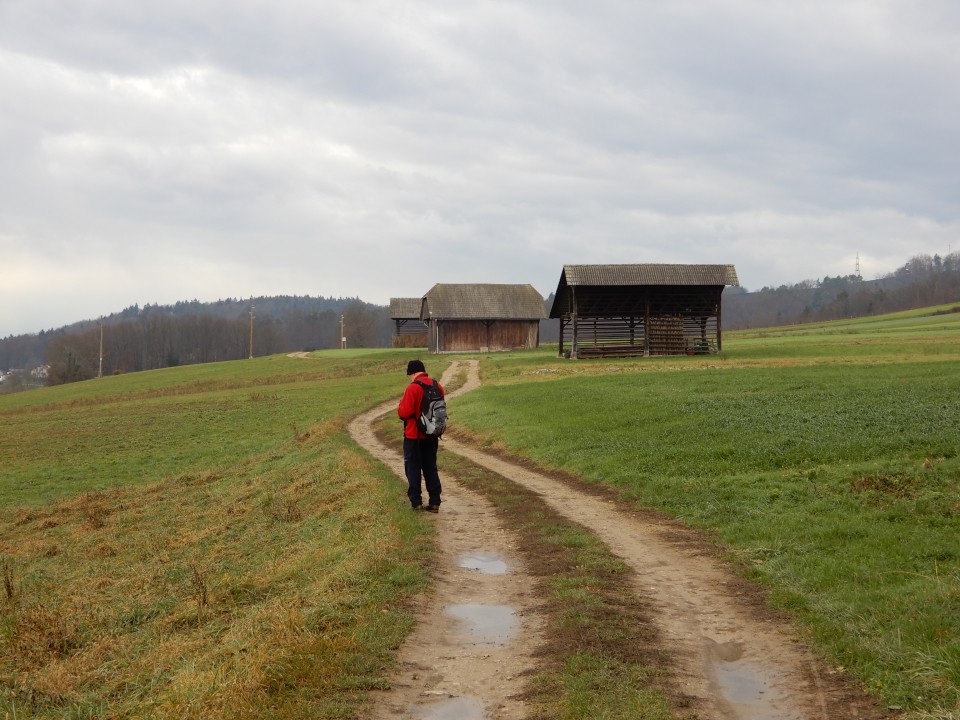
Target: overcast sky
<point>206,149</point>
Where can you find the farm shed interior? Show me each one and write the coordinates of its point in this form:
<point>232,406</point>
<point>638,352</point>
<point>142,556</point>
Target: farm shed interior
<point>409,330</point>
<point>632,310</point>
<point>482,317</point>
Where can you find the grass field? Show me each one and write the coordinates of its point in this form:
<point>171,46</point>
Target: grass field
<point>202,542</point>
<point>824,458</point>
<point>206,541</point>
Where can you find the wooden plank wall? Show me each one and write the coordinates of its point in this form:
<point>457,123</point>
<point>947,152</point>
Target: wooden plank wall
<point>625,337</point>
<point>479,335</point>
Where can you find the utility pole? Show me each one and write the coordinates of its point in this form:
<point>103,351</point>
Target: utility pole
<point>100,372</point>
<point>858,265</point>
<point>343,338</point>
<point>251,331</point>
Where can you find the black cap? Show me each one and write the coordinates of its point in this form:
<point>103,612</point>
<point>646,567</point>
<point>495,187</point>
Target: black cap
<point>415,366</point>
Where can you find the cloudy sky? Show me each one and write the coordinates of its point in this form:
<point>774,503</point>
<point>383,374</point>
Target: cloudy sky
<point>206,149</point>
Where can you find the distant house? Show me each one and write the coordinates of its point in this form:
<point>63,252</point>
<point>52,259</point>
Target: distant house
<point>41,372</point>
<point>409,330</point>
<point>482,317</point>
<point>631,310</point>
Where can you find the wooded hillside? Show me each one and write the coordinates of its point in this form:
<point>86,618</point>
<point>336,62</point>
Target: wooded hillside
<point>922,281</point>
<point>158,336</point>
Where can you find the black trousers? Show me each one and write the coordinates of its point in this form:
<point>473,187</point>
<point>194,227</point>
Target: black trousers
<point>420,458</point>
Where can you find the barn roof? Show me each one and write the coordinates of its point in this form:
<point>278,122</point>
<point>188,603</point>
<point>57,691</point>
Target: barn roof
<point>649,274</point>
<point>405,308</point>
<point>482,302</point>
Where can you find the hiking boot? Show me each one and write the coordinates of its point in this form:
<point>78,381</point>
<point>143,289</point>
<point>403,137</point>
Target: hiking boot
<point>432,508</point>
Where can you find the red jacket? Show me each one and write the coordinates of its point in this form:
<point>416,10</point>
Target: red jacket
<point>409,408</point>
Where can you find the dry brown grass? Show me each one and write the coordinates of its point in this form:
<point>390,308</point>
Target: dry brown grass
<point>8,587</point>
<point>211,594</point>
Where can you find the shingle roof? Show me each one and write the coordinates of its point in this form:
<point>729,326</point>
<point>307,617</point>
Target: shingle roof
<point>482,302</point>
<point>405,308</point>
<point>650,274</point>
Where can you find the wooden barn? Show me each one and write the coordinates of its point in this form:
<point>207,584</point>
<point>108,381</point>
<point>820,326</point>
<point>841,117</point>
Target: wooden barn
<point>482,318</point>
<point>409,330</point>
<point>640,310</point>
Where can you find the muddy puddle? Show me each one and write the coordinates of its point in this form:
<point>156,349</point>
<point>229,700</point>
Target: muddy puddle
<point>487,563</point>
<point>479,624</point>
<point>494,624</point>
<point>462,708</point>
<point>751,691</point>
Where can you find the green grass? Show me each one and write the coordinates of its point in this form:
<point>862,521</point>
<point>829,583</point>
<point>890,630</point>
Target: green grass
<point>141,427</point>
<point>206,541</point>
<point>203,542</point>
<point>827,466</point>
<point>928,334</point>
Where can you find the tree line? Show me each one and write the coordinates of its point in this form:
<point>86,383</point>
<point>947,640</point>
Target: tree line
<point>159,336</point>
<point>922,281</point>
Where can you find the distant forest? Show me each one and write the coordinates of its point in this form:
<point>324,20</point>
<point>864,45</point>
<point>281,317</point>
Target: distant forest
<point>159,336</point>
<point>921,282</point>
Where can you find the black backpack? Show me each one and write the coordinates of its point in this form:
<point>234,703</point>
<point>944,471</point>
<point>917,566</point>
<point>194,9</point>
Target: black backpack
<point>433,410</point>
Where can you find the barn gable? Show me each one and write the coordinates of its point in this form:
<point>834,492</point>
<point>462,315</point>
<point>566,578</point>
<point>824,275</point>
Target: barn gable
<point>482,317</point>
<point>648,309</point>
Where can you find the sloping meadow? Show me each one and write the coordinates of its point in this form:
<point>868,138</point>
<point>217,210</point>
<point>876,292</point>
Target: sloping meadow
<point>823,459</point>
<point>202,542</point>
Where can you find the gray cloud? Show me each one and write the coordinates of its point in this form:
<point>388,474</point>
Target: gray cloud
<point>204,150</point>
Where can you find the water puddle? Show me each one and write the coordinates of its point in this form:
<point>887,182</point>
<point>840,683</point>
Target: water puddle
<point>495,624</point>
<point>751,691</point>
<point>464,708</point>
<point>487,563</point>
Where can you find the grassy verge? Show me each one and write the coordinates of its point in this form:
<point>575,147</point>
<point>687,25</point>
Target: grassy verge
<point>254,563</point>
<point>601,658</point>
<point>833,477</point>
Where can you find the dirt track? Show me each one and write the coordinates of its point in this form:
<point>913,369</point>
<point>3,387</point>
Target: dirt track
<point>734,660</point>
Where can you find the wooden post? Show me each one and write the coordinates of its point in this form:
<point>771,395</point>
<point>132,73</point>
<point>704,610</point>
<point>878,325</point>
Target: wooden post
<point>573,345</point>
<point>719,306</point>
<point>251,332</point>
<point>646,327</point>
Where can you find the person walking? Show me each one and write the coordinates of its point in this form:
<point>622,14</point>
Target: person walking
<point>419,449</point>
